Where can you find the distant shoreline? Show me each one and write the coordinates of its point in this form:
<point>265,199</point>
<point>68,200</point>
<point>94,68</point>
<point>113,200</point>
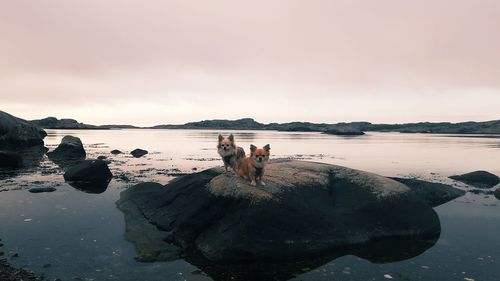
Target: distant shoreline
<point>351,129</point>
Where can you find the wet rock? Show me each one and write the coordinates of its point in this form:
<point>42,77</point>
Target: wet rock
<point>42,189</point>
<point>69,151</point>
<point>479,179</point>
<point>138,152</point>
<point>17,133</point>
<point>497,193</point>
<point>102,157</point>
<point>305,209</point>
<point>10,160</point>
<point>432,193</point>
<point>116,151</point>
<point>92,176</point>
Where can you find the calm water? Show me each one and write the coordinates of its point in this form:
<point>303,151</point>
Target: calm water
<point>70,234</point>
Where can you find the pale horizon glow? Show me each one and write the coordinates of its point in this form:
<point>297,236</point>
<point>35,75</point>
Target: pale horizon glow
<point>172,62</point>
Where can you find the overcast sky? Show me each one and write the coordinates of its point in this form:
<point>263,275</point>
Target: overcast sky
<point>157,62</point>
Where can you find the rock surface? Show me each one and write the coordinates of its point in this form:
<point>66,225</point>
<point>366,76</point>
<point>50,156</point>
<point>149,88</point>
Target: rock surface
<point>479,179</point>
<point>69,150</point>
<point>497,193</point>
<point>18,133</point>
<point>138,152</point>
<point>305,209</point>
<point>91,176</point>
<point>10,160</point>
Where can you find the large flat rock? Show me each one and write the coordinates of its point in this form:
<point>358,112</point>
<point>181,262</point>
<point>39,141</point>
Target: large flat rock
<point>305,209</point>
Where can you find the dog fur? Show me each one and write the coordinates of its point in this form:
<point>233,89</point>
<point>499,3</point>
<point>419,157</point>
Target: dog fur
<point>252,167</point>
<point>230,153</point>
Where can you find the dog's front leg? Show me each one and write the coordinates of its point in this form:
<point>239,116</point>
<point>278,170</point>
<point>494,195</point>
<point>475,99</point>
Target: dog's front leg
<point>252,180</point>
<point>262,182</point>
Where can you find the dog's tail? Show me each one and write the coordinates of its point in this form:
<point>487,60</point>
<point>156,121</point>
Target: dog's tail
<point>240,153</point>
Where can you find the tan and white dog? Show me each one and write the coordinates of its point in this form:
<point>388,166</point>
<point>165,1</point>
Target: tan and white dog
<point>252,167</point>
<point>230,153</point>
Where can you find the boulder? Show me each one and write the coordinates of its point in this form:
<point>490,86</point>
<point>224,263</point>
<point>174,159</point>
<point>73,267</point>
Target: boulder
<point>138,152</point>
<point>304,209</point>
<point>91,176</point>
<point>432,193</point>
<point>17,133</point>
<point>69,150</point>
<point>479,179</point>
<point>10,160</point>
<point>497,193</point>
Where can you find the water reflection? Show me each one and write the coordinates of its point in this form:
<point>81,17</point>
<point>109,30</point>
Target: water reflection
<point>30,159</point>
<point>381,251</point>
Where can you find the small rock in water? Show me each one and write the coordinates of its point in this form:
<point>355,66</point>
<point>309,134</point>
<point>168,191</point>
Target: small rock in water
<point>116,151</point>
<point>479,179</point>
<point>387,276</point>
<point>197,272</point>
<point>102,157</point>
<point>138,152</point>
<point>42,189</point>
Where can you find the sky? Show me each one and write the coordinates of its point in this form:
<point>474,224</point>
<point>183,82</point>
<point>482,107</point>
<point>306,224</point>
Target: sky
<point>170,62</point>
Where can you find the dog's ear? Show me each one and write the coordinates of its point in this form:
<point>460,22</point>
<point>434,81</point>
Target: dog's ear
<point>231,137</point>
<point>221,138</point>
<point>267,147</point>
<point>253,148</point>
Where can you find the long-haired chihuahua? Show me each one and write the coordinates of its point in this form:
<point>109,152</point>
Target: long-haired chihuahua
<point>252,167</point>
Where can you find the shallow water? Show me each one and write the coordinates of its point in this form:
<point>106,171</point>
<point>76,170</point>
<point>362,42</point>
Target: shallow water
<point>68,233</point>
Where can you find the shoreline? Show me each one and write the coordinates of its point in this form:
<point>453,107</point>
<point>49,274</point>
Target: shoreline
<point>10,273</point>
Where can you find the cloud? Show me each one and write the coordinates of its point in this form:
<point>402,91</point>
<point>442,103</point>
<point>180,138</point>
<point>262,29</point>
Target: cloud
<point>293,53</point>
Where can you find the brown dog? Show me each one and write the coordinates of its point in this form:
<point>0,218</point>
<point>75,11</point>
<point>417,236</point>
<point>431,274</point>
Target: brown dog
<point>252,168</point>
<point>230,153</point>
